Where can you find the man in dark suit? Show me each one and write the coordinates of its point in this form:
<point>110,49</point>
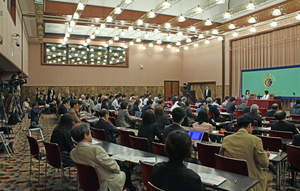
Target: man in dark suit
<point>273,110</point>
<point>230,106</point>
<point>178,115</point>
<point>63,108</point>
<point>148,106</point>
<point>51,90</point>
<point>110,130</point>
<point>282,125</point>
<point>174,99</point>
<point>214,110</point>
<point>253,113</point>
<point>243,105</point>
<point>207,93</point>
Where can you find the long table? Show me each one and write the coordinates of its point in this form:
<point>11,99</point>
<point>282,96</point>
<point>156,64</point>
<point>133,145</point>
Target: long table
<point>243,183</point>
<point>261,103</point>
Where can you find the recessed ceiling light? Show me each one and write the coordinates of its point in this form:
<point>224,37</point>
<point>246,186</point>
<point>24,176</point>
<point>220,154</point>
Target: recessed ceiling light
<point>161,49</point>
<point>196,45</point>
<point>177,50</point>
<point>220,1</point>
<point>88,40</point>
<point>168,37</point>
<point>198,10</point>
<point>116,38</point>
<point>130,28</point>
<point>276,12</point>
<point>167,25</point>
<point>125,46</point>
<point>102,26</point>
<point>150,45</point>
<point>156,31</point>
<point>97,31</point>
<point>93,36</point>
<point>138,39</point>
<point>181,18</point>
<point>186,47</point>
<point>158,41</point>
<point>253,29</point>
<point>110,42</point>
<point>235,34</point>
<point>188,40</point>
<point>178,43</point>
<point>250,6</point>
<point>192,28</point>
<point>118,10</point>
<point>105,45</point>
<point>208,22</point>
<point>179,33</point>
<point>231,26</point>
<point>131,43</point>
<point>166,5</point>
<point>220,38</point>
<point>169,46</point>
<point>146,35</point>
<point>69,29</point>
<point>200,36</point>
<point>122,33</point>
<point>252,20</point>
<point>80,6</point>
<point>227,15</point>
<point>72,23</point>
<point>144,48</point>
<point>76,16</point>
<point>215,31</point>
<point>65,39</point>
<point>273,24</point>
<point>207,42</point>
<point>151,14</point>
<point>298,17</point>
<point>109,19</point>
<point>128,1</point>
<point>139,22</point>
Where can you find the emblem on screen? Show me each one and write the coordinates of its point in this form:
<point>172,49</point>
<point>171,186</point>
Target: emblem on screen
<point>268,82</point>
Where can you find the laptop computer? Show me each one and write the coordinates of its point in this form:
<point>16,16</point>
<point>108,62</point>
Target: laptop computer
<point>138,114</point>
<point>196,135</point>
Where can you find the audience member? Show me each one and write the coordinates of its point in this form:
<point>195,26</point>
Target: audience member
<point>51,91</point>
<point>148,106</point>
<point>230,106</point>
<point>253,113</point>
<point>142,98</point>
<point>207,93</point>
<point>246,109</point>
<point>273,110</point>
<point>169,102</point>
<point>174,175</point>
<point>130,106</point>
<point>92,102</point>
<point>215,103</point>
<point>188,113</point>
<point>176,104</point>
<point>63,108</point>
<point>149,129</point>
<point>214,110</point>
<point>161,118</point>
<point>202,123</point>
<point>115,103</point>
<point>227,98</point>
<point>282,125</point>
<point>98,106</point>
<point>206,109</point>
<point>109,105</point>
<point>295,110</point>
<point>110,174</point>
<point>135,107</point>
<point>243,145</point>
<point>123,117</point>
<point>198,102</point>
<point>73,96</point>
<point>73,111</point>
<point>26,107</point>
<point>58,99</point>
<point>174,99</point>
<point>61,135</point>
<point>110,130</point>
<point>35,116</point>
<point>105,104</point>
<point>243,105</point>
<point>41,100</point>
<point>155,100</point>
<point>178,115</point>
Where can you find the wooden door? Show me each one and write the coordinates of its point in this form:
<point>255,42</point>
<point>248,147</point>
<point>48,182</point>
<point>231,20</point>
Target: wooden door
<point>171,89</point>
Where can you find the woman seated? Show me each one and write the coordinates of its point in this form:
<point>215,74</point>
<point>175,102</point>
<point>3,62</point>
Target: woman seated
<point>161,118</point>
<point>266,96</point>
<point>202,122</point>
<point>149,129</point>
<point>105,104</point>
<point>174,175</point>
<point>61,135</point>
<point>124,117</point>
<point>136,106</point>
<point>169,102</point>
<point>98,106</point>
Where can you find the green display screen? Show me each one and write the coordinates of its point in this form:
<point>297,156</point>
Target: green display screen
<point>281,81</point>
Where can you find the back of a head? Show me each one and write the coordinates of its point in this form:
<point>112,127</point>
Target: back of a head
<point>66,101</point>
<point>244,100</point>
<point>148,117</point>
<point>226,97</point>
<point>266,92</point>
<point>232,99</point>
<point>34,104</point>
<point>183,98</point>
<point>103,112</point>
<point>117,96</point>
<point>124,105</point>
<point>178,146</point>
<point>66,122</point>
<point>160,101</point>
<point>298,101</point>
<point>156,99</point>
<point>202,117</point>
<point>209,100</point>
<point>169,98</point>
<point>105,101</point>
<point>244,121</point>
<point>275,106</point>
<point>204,108</point>
<point>79,130</point>
<point>137,102</point>
<point>159,111</point>
<point>280,115</point>
<point>246,109</point>
<point>254,108</point>
<point>178,114</point>
<point>73,102</point>
<point>149,102</point>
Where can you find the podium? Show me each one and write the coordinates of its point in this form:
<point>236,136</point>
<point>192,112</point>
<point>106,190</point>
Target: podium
<point>192,93</point>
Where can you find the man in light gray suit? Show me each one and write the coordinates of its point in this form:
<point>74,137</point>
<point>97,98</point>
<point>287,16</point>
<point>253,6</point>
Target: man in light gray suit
<point>243,105</point>
<point>110,175</point>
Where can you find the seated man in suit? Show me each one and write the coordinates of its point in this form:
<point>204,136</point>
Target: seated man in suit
<point>230,106</point>
<point>110,175</point>
<point>295,110</point>
<point>214,110</point>
<point>274,109</point>
<point>243,145</point>
<point>253,113</point>
<point>148,106</point>
<point>282,125</point>
<point>178,115</point>
<point>63,108</point>
<point>110,130</point>
<point>227,99</point>
<point>243,105</point>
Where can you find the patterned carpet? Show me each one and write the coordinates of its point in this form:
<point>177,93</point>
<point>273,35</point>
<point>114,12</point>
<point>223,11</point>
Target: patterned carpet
<point>14,171</point>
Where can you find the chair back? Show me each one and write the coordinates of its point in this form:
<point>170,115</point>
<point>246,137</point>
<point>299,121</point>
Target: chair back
<point>113,121</point>
<point>113,114</point>
<point>205,137</point>
<point>206,154</point>
<point>153,188</point>
<point>97,113</point>
<point>139,143</point>
<point>238,113</point>
<point>295,117</point>
<point>255,124</point>
<point>223,110</point>
<point>146,172</point>
<point>53,156</point>
<point>124,137</point>
<point>99,134</point>
<point>263,112</point>
<point>271,143</point>
<point>228,133</point>
<point>252,96</point>
<point>270,119</point>
<point>293,155</point>
<point>235,127</point>
<point>272,96</point>
<point>211,114</point>
<point>34,146</point>
<point>231,164</point>
<point>159,149</point>
<point>282,134</point>
<point>87,177</point>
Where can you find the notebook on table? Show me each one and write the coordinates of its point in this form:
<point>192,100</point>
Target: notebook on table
<point>138,114</point>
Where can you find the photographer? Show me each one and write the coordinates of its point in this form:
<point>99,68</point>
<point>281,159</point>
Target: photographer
<point>35,116</point>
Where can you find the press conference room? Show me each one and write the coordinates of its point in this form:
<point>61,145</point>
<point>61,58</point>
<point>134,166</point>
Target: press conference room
<point>132,95</point>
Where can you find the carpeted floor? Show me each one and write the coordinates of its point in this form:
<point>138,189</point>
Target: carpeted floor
<point>14,171</point>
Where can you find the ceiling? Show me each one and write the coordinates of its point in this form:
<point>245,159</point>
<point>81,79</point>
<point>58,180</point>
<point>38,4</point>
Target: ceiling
<point>56,18</point>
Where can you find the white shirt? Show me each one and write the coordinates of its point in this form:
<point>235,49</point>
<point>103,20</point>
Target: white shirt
<point>216,104</point>
<point>25,105</point>
<point>145,101</point>
<point>266,97</point>
<point>115,104</point>
<point>206,92</point>
<point>174,106</point>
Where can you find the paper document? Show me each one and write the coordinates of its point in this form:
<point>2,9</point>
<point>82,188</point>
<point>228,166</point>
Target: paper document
<point>95,142</point>
<point>272,156</point>
<point>211,179</point>
<point>121,157</point>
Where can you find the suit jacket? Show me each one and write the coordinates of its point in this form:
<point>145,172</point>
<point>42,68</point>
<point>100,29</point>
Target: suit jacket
<point>296,140</point>
<point>162,121</point>
<point>62,109</point>
<point>216,113</point>
<point>170,128</point>
<point>208,94</point>
<point>242,145</point>
<point>73,113</point>
<point>109,171</point>
<point>145,108</point>
<point>149,132</point>
<point>175,176</point>
<point>49,91</point>
<point>284,126</point>
<point>241,107</point>
<point>109,128</point>
<point>123,116</point>
<point>230,107</point>
<point>270,113</point>
<point>255,117</point>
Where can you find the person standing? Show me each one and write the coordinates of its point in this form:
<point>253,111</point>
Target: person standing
<point>207,92</point>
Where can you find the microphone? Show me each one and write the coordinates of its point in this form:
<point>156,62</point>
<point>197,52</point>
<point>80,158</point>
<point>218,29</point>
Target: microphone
<point>294,93</point>
<point>187,93</point>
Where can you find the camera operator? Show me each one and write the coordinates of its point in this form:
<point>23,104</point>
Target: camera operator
<point>36,113</point>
